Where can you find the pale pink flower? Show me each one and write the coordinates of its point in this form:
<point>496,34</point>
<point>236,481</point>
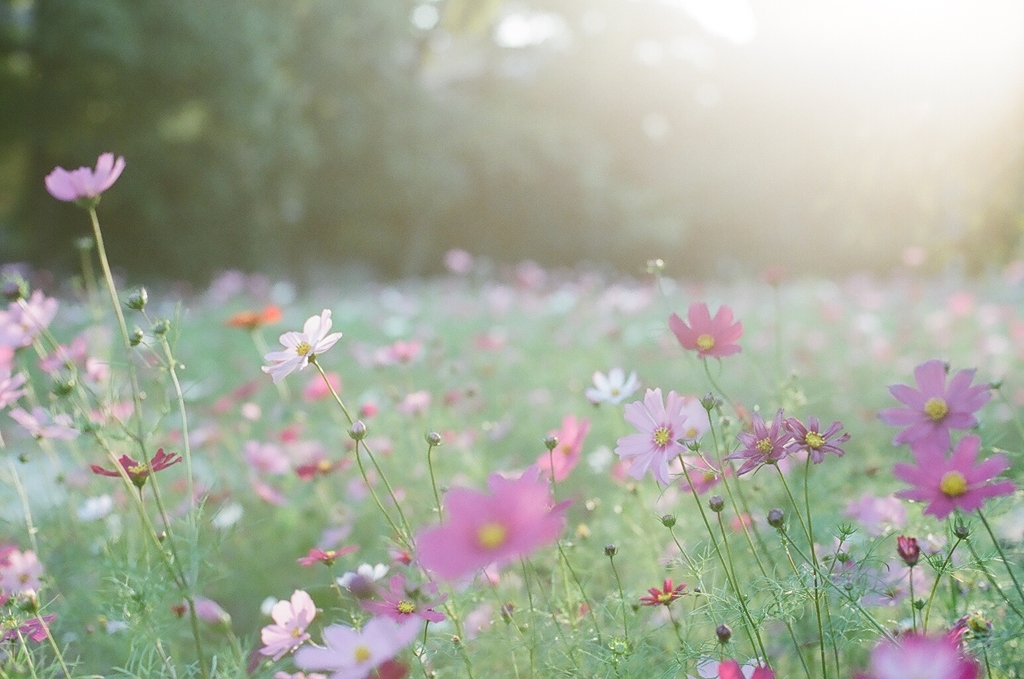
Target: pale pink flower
<point>25,319</point>
<point>10,386</point>
<point>85,182</point>
<point>39,424</point>
<point>291,618</point>
<point>458,262</point>
<point>661,425</point>
<point>400,602</point>
<point>915,655</point>
<point>877,514</point>
<point>266,458</point>
<point>317,389</point>
<point>565,455</point>
<point>935,407</point>
<point>353,654</point>
<point>300,347</point>
<point>706,335</point>
<point>21,572</point>
<point>416,403</point>
<point>953,483</point>
<point>514,519</point>
<point>209,611</point>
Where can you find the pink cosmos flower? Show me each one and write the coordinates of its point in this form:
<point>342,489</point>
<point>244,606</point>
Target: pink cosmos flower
<point>31,628</point>
<point>353,654</point>
<point>267,458</point>
<point>21,572</point>
<point>84,182</point>
<point>415,404</point>
<point>765,445</point>
<point>401,603</point>
<point>10,386</point>
<point>707,336</point>
<point>664,596</point>
<point>39,424</point>
<point>915,655</point>
<point>210,612</point>
<point>612,388</point>
<point>516,518</point>
<point>317,389</point>
<point>661,427</point>
<point>325,556</point>
<point>566,455</point>
<point>934,408</point>
<point>953,483</point>
<point>291,618</point>
<point>814,441</point>
<point>299,347</point>
<point>138,472</point>
<point>25,319</point>
<point>730,669</point>
<point>877,514</point>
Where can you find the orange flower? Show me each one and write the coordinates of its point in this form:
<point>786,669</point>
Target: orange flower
<point>250,320</point>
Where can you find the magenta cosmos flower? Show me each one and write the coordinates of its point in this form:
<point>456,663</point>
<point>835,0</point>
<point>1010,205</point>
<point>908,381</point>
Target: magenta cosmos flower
<point>137,471</point>
<point>915,655</point>
<point>934,408</point>
<point>664,596</point>
<point>953,483</point>
<point>566,455</point>
<point>85,183</point>
<point>661,426</point>
<point>516,518</point>
<point>765,445</point>
<point>352,654</point>
<point>815,441</point>
<point>300,347</point>
<point>291,618</point>
<point>401,603</point>
<point>730,669</point>
<point>706,335</point>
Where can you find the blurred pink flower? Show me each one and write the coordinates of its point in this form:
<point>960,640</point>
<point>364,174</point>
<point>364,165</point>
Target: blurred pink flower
<point>730,669</point>
<point>706,335</point>
<point>209,611</point>
<point>415,403</point>
<point>953,483</point>
<point>458,262</point>
<point>401,603</point>
<point>934,408</point>
<point>39,424</point>
<point>915,655</point>
<point>25,319</point>
<point>10,386</point>
<point>515,519</point>
<point>660,426</point>
<point>877,514</point>
<point>565,455</point>
<point>84,182</point>
<point>299,347</point>
<point>266,458</point>
<point>20,572</point>
<point>317,389</point>
<point>291,618</point>
<point>353,654</point>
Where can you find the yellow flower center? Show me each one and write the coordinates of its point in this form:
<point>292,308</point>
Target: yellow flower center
<point>709,476</point>
<point>137,470</point>
<point>953,484</point>
<point>764,446</point>
<point>614,391</point>
<point>665,597</point>
<point>662,436</point>
<point>362,654</point>
<point>814,440</point>
<point>705,342</point>
<point>406,607</point>
<point>491,535</point>
<point>935,409</point>
<point>302,348</point>
<point>23,578</point>
<point>297,632</point>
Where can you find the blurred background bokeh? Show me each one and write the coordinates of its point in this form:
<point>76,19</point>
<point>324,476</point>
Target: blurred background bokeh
<point>315,138</point>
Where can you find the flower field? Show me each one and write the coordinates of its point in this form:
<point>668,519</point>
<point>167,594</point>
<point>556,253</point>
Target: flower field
<point>509,473</point>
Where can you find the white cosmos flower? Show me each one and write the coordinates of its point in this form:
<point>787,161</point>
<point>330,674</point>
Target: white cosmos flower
<point>613,388</point>
<point>299,347</point>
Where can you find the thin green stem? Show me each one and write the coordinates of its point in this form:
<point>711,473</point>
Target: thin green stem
<point>1002,555</point>
<point>433,481</point>
<point>814,555</point>
<point>935,585</point>
<point>622,596</point>
<point>185,445</point>
<point>53,645</point>
<point>991,579</point>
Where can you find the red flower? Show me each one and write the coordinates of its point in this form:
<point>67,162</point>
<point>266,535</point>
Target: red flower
<point>317,555</point>
<point>908,549</point>
<point>137,471</point>
<point>250,320</point>
<point>664,596</point>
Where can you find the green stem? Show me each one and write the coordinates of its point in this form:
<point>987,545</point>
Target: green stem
<point>991,579</point>
<point>622,596</point>
<point>1002,555</point>
<point>935,585</point>
<point>433,481</point>
<point>53,645</point>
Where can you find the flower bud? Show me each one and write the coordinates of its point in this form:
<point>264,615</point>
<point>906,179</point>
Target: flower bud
<point>777,518</point>
<point>28,600</point>
<point>64,387</point>
<point>668,521</point>
<point>14,289</point>
<point>710,402</point>
<point>610,550</point>
<point>655,266</point>
<point>85,243</point>
<point>136,337</point>
<point>137,300</point>
<point>961,531</point>
<point>433,439</point>
<point>716,503</point>
<point>357,431</point>
<point>551,442</point>
<point>908,549</point>
<point>161,327</point>
<point>724,633</point>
